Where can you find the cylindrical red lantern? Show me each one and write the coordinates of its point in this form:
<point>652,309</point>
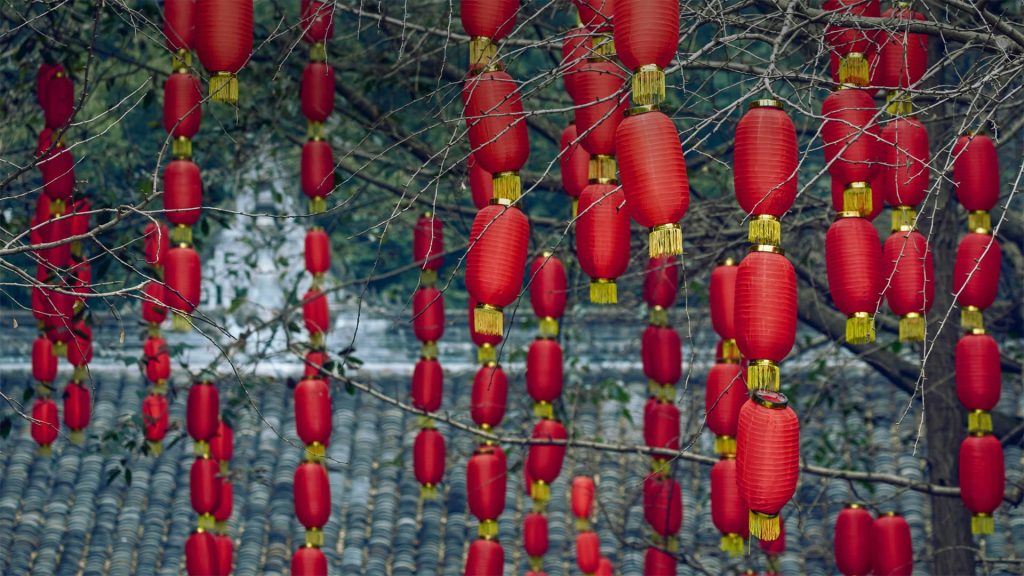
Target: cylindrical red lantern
<point>313,412</point>
<point>487,22</point>
<point>481,183</point>
<point>318,89</point>
<point>574,163</point>
<point>45,425</point>
<point>202,411</point>
<point>661,282</point>
<point>157,359</point>
<point>588,551</point>
<point>596,15</point>
<point>183,112</point>
<point>57,166</point>
<point>535,534</point>
<point>182,277</point>
<point>223,34</point>
<point>976,276</point>
<point>646,39</point>
<point>724,398</point>
<point>765,160</point>
<point>427,385</point>
<point>495,263</point>
<point>315,312</point>
<point>653,175</point>
<point>156,243</point>
<point>545,460</point>
<point>976,172</point>
<point>486,475</point>
<point>893,553</point>
<point>317,169</point>
<point>428,314</point>
<point>44,361</point>
<point>605,568</point>
<point>767,459</point>
<point>722,300</point>
<point>201,554</point>
<point>314,364</point>
<point>58,99</point>
<point>602,240</point>
<point>661,350</point>
<point>489,396</point>
<point>979,378</point>
<point>485,558</point>
<point>309,561</point>
<point>853,542</point>
<point>317,251</point>
<point>853,260</point>
<point>155,417</point>
<point>179,24</point>
<point>729,512</point>
<point>428,242</point>
<point>428,456</point>
<point>902,55</point>
<point>77,409</point>
<point>497,130</point>
<point>225,552</point>
<point>600,105</point>
<point>903,156</point>
<point>548,292</point>
<point>183,194</point>
<point>544,374</point>
<point>661,426</point>
<point>659,562</point>
<point>576,50</point>
<point>982,479</point>
<point>204,486</point>
<point>911,276</point>
<point>222,445</point>
<point>582,497</point>
<point>312,496</point>
<point>765,314</point>
<point>851,46</point>
<point>663,507</point>
<point>852,148</point>
<point>317,21</point>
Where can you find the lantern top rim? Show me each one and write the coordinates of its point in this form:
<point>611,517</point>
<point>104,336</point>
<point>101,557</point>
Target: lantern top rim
<point>766,103</point>
<point>767,248</point>
<point>770,399</point>
<point>855,506</point>
<point>891,514</point>
<point>728,261</point>
<point>843,214</point>
<point>644,109</point>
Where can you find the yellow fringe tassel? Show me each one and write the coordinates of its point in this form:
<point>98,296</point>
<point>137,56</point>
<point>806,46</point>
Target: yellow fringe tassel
<point>540,491</point>
<point>428,492</point>
<point>481,52</point>
<point>575,208</point>
<point>853,69</point>
<point>898,103</point>
<point>488,529</point>
<point>489,320</point>
<point>730,351</point>
<point>582,525</point>
<point>602,168</point>
<point>486,354</point>
<point>181,148</point>
<point>982,524</point>
<point>314,537</point>
<point>903,218</point>
<point>548,327</point>
<point>912,328</point>
<point>979,422</point>
<point>207,521</point>
<point>763,375</point>
<point>725,445</point>
<point>155,448</point>
<point>979,221</point>
<point>732,544</point>
<point>765,229</point>
<point>543,410</point>
<point>428,277</point>
<point>77,437</point>
<point>44,451</point>
<point>507,186</point>
<point>971,319</point>
<point>658,316</point>
<point>603,291</point>
<point>224,88</point>
<point>764,527</point>
<point>860,328</point>
<point>428,350</point>
<point>181,322</point>
<point>857,198</point>
<point>665,240</point>
<point>603,46</point>
<point>648,85</point>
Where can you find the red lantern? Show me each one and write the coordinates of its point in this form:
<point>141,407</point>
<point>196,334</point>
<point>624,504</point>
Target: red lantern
<point>427,385</point>
<point>495,263</point>
<point>58,99</point>
<point>646,39</point>
<point>158,361</point>
<point>902,55</point>
<point>179,25</point>
<point>545,460</point>
<point>204,486</point>
<point>893,553</point>
<point>535,534</point>
<point>852,46</point>
<point>226,503</point>
<point>659,562</point>
<point>982,479</point>
<point>154,417</point>
<point>428,242</point>
<point>489,19</point>
<point>318,87</point>
<point>315,312</point>
<point>202,412</point>
<point>318,251</point>
<point>765,332</point>
<point>602,245</point>
<point>45,426</point>
<point>976,172</point>
<point>576,49</point>
<point>903,156</point>
<point>548,292</point>
<point>153,296</point>
<point>317,21</point>
<point>317,169</point>
<point>223,33</point>
<point>309,561</point>
<point>600,106</point>
<point>225,552</point>
<point>853,259</point>
<point>661,426</point>
<point>911,276</point>
<point>182,278</point>
<point>852,147</point>
<point>654,181</point>
<point>574,163</point>
<point>222,445</point>
<point>428,314</point>
<point>979,377</point>
<point>313,412</point>
<point>663,508</point>
<point>605,568</point>
<point>428,456</point>
<point>156,242</point>
<point>767,459</point>
<point>544,374</point>
<point>314,364</point>
<point>582,497</point>
<point>77,408</point>
<point>183,111</point>
<point>490,393</point>
<point>725,396</point>
<point>728,510</point>
<point>661,350</point>
<point>661,282</point>
<point>486,475</point>
<point>53,230</point>
<point>588,552</point>
<point>201,554</point>
<point>485,558</point>
<point>481,183</point>
<point>853,543</point>
<point>183,192</point>
<point>722,300</point>
<point>44,361</point>
<point>497,130</point>
<point>312,495</point>
<point>765,161</point>
<point>976,276</point>
<point>596,15</point>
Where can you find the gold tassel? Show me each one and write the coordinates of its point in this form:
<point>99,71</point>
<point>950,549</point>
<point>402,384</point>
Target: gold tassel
<point>317,205</point>
<point>489,320</point>
<point>575,208</point>
<point>860,328</point>
<point>181,148</point>
<point>857,198</point>
<point>603,291</point>
<point>155,448</point>
<point>648,85</point>
<point>764,527</point>
<point>79,374</point>
<point>44,451</point>
<point>206,521</point>
<point>548,327</point>
<point>903,218</point>
<point>665,240</point>
<point>314,537</point>
<point>979,422</point>
<point>316,340</point>
<point>486,354</point>
<point>60,349</point>
<point>912,328</point>
<point>763,375</point>
<point>582,525</point>
<point>428,492</point>
<point>543,410</point>
<point>225,467</point>
<point>971,318</point>
<point>314,130</point>
<point>76,249</point>
<point>725,446</point>
<point>482,52</point>
<point>316,452</point>
<point>424,422</point>
<point>318,52</point>
<point>428,277</point>
<point>666,393</point>
<point>653,388</point>
<point>181,322</point>
<point>154,330</point>
<point>57,207</point>
<point>160,387</point>
<point>181,61</point>
<point>488,530</point>
<point>853,69</point>
<point>181,235</point>
<point>540,491</point>
<point>658,316</point>
<point>602,169</point>
<point>603,46</point>
<point>221,527</point>
<point>428,351</point>
<point>77,437</point>
<point>661,467</point>
<point>730,351</point>
<point>898,103</point>
<point>982,524</point>
<point>979,221</point>
<point>765,229</point>
<point>732,544</point>
<point>201,448</point>
<point>224,88</point>
<point>507,186</point>
<point>537,563</point>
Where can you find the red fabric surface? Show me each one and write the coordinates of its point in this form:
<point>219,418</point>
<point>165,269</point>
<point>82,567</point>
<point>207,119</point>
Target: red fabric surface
<point>765,161</point>
<point>765,306</point>
<point>652,169</point>
<point>496,261</point>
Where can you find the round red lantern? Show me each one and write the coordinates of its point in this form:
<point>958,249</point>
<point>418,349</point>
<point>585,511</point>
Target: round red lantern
<point>853,259</point>
<point>225,552</point>
<point>976,174</point>
<point>600,105</point>
<point>765,159</point>
<point>646,39</point>
<point>202,412</point>
<point>312,499</point>
<point>222,445</point>
<point>722,301</point>
<point>204,487</point>
<point>661,426</point>
<point>495,264</point>
<point>44,361</point>
<point>535,537</point>
<point>309,561</point>
<point>724,398</point>
<point>728,510</point>
<point>893,553</point>
<point>155,417</point>
<point>548,292</point>
<point>582,499</point>
<point>487,22</point>
<point>77,409</point>
<point>428,242</point>
<point>574,163</point>
<point>852,148</point>
<point>183,112</point>
<point>767,459</point>
<point>544,375</point>
<point>765,333</point>
<point>223,34</point>
<point>661,350</point>
<point>653,175</point>
<point>902,55</point>
<point>497,130</point>
<point>428,456</point>
<point>179,24</point>
<point>661,283</point>
<point>481,183</point>
<point>545,460</point>
<point>485,558</point>
<point>982,479</point>
<point>182,277</point>
<point>576,50</point>
<point>45,425</point>
<point>201,554</point>
<point>317,21</point>
<point>428,314</point>
<point>486,475</point>
<point>489,395</point>
<point>183,195</point>
<point>602,240</point>
<point>588,551</point>
<point>976,276</point>
<point>659,562</point>
<point>318,251</point>
<point>979,377</point>
<point>315,313</point>
<point>317,172</point>
<point>318,90</point>
<point>313,414</point>
<point>911,276</point>
<point>903,156</point>
<point>596,15</point>
<point>853,543</point>
<point>663,507</point>
<point>427,385</point>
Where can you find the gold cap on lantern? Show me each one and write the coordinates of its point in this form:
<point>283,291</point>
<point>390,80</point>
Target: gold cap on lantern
<point>488,530</point>
<point>548,327</point>
<point>857,198</point>
<point>903,218</point>
<point>601,170</point>
<point>853,69</point>
<point>971,318</point>
<point>486,354</point>
<point>507,186</point>
<point>725,446</point>
<point>482,52</point>
<point>979,222</point>
<point>982,524</point>
<point>979,422</point>
<point>732,544</point>
<point>898,103</point>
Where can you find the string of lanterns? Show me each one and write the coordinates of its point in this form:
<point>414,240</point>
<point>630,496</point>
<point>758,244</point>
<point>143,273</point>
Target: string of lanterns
<point>311,486</point>
<point>222,449</point>
<point>588,545</point>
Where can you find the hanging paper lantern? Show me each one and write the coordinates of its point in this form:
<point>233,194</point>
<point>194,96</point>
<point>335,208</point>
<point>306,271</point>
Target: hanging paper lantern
<point>544,375</point>
<point>902,55</point>
<point>155,417</point>
<point>315,313</point>
<point>724,398</point>
<point>576,50</point>
<point>765,332</point>
<point>317,21</point>
<point>722,300</point>
<point>602,240</point>
<point>976,176</point>
<point>318,90</point>
<point>588,552</point>
<point>227,499</point>
<point>486,475</point>
<point>497,130</point>
<point>903,172</point>
<point>852,45</point>
<point>646,39</point>
<point>427,385</point>
<point>314,365</point>
<point>428,456</point>
<point>582,501</point>
<point>982,479</point>
<point>659,562</point>
<point>979,378</point>
<point>495,264</point>
<point>600,106</point>
<point>45,425</point>
<point>662,352</point>
<point>653,174</point>
<point>853,259</point>
<point>852,148</point>
<point>57,166</point>
<point>156,243</point>
<point>545,460</point>
<point>201,554</point>
<point>765,160</point>
<point>605,568</point>
<point>596,15</point>
<point>485,558</point>
<point>312,500</point>
<point>548,292</point>
<point>182,277</point>
<point>157,359</point>
<point>183,112</point>
<point>663,508</point>
<point>223,33</point>
<point>179,24</point>
<point>976,277</point>
<point>893,554</point>
<point>317,173</point>
<point>183,195</point>
<point>317,251</point>
<point>574,163</point>
<point>661,427</point>
<point>489,395</point>
<point>58,99</point>
<point>313,413</point>
<point>309,561</point>
<point>728,510</point>
<point>481,183</point>
<point>77,408</point>
<point>661,284</point>
<point>487,22</point>
<point>222,445</point>
<point>225,553</point>
<point>853,544</point>
<point>204,488</point>
<point>428,314</point>
<point>44,361</point>
<point>911,276</point>
<point>202,413</point>
<point>767,459</point>
<point>428,245</point>
<point>535,538</point>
